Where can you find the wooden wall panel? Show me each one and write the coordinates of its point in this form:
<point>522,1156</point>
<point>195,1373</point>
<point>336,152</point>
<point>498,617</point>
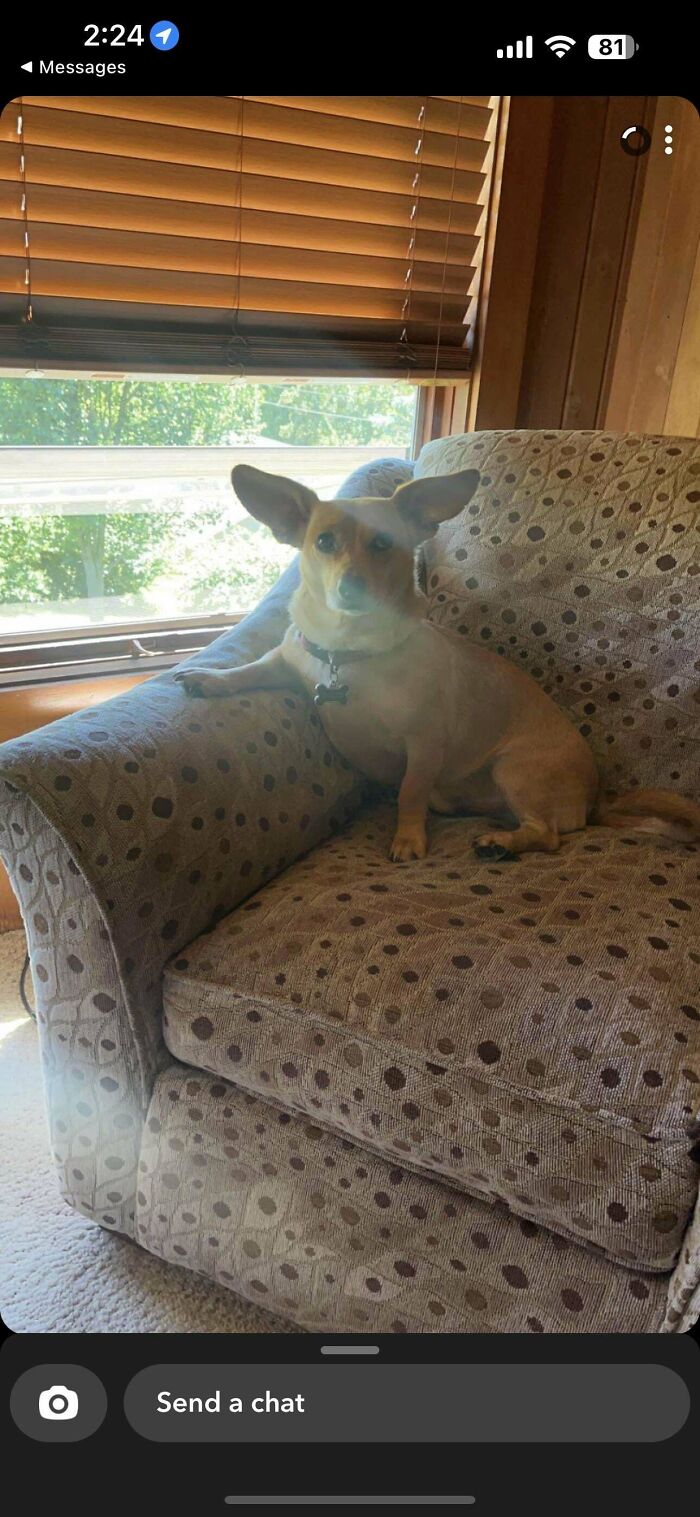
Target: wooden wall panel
<point>504,307</point>
<point>602,275</point>
<point>441,411</point>
<point>569,197</point>
<point>594,308</point>
<point>654,373</point>
<point>683,410</point>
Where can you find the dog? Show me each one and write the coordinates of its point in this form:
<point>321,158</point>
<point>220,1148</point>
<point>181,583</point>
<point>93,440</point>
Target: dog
<point>454,727</point>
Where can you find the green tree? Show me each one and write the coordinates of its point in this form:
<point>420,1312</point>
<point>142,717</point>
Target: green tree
<point>124,413</point>
<point>48,558</point>
<point>89,556</point>
<point>339,414</point>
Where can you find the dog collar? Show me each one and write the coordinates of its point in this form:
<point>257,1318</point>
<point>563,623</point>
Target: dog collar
<point>333,691</point>
<point>342,656</point>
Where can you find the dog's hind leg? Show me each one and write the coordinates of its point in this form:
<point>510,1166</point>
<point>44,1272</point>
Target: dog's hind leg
<point>531,833</point>
<point>544,805</point>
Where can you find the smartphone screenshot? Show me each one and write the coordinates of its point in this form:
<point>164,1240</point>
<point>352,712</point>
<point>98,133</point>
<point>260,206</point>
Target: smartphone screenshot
<point>349,769</point>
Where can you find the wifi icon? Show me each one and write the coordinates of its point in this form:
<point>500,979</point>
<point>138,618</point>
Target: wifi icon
<point>560,45</point>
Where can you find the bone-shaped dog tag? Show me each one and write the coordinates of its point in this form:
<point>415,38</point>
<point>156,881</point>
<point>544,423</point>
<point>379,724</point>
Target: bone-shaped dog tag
<point>332,691</point>
<point>324,693</point>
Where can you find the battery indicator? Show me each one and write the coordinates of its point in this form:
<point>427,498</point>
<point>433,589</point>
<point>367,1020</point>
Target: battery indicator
<point>614,46</point>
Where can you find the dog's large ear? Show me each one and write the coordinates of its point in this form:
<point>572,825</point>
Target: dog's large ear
<point>424,503</point>
<point>282,504</point>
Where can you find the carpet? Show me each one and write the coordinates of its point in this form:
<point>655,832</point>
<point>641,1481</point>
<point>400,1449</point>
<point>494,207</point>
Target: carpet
<point>60,1272</point>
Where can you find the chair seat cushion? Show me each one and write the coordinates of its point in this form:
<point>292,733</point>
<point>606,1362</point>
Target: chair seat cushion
<point>313,1227</point>
<point>528,1030</point>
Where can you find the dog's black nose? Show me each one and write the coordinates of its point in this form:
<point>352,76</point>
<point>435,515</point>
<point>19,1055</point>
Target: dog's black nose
<point>351,589</point>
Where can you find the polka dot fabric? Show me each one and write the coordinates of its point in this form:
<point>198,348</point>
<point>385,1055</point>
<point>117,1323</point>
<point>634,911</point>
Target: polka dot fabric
<point>341,1240</point>
<point>683,1307</point>
<point>525,1030</point>
<point>92,1078</point>
<point>578,557</point>
<point>466,1096</point>
<point>126,830</point>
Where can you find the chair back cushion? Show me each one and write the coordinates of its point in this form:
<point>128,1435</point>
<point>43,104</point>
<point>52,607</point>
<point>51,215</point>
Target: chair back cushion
<point>579,558</point>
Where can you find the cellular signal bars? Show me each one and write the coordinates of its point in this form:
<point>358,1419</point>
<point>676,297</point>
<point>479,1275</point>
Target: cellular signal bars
<point>516,49</point>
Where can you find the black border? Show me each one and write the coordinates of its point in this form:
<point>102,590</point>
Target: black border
<point>246,50</point>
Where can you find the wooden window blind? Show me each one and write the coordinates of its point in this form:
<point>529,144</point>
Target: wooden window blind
<point>295,235</point>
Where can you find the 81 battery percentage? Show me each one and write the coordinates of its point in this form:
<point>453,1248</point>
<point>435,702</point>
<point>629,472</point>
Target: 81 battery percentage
<point>615,46</point>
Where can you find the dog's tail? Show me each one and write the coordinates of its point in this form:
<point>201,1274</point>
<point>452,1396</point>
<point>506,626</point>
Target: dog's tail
<point>651,811</point>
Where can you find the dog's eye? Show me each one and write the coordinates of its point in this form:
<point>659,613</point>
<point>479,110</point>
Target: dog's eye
<point>325,542</point>
<point>381,543</point>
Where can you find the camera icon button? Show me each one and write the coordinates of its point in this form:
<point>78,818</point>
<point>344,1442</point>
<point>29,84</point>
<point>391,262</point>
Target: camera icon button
<point>58,1403</point>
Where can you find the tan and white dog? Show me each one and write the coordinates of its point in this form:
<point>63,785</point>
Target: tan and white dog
<point>456,728</point>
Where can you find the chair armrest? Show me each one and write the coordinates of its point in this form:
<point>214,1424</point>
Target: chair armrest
<point>95,1070</point>
<point>127,830</point>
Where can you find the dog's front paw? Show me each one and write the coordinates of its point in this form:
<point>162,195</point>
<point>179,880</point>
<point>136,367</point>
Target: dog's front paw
<point>409,843</point>
<point>204,683</point>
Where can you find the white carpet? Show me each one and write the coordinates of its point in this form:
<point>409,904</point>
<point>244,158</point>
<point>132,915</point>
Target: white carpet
<point>58,1271</point>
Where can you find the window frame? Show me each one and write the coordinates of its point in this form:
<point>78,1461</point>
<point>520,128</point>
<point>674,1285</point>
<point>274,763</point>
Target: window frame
<point>119,648</point>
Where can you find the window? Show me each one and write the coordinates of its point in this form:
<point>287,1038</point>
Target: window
<point>117,516</point>
<point>194,258</point>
